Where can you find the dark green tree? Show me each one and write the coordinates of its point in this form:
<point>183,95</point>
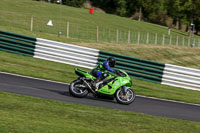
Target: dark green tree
<point>111,6</point>
<point>120,7</point>
<point>152,10</point>
<point>192,11</point>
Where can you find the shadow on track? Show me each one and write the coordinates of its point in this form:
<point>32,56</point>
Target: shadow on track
<point>89,96</point>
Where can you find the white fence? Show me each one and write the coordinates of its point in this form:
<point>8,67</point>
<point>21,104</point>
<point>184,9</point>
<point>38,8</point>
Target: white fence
<point>66,53</point>
<point>183,77</point>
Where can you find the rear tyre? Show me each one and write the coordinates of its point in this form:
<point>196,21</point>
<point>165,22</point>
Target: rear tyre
<point>126,99</point>
<point>78,89</point>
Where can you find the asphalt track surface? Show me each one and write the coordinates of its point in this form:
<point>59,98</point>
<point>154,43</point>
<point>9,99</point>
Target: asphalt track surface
<point>59,91</point>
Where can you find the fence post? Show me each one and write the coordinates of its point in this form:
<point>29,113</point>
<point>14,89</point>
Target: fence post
<point>170,40</point>
<point>147,41</point>
<point>188,41</point>
<point>117,36</point>
<point>97,34</point>
<point>120,36</point>
<point>177,41</point>
<point>193,42</point>
<point>199,43</point>
<point>163,41</point>
<point>138,41</point>
<point>31,23</point>
<point>67,33</point>
<point>103,32</point>
<point>156,37</point>
<point>129,36</point>
<point>183,41</point>
<point>124,36</point>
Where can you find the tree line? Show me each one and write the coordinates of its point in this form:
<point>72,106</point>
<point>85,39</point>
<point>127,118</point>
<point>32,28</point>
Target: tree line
<point>180,14</point>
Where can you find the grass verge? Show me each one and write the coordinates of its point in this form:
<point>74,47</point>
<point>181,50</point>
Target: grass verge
<point>21,114</point>
<point>29,66</point>
<point>18,14</point>
<point>82,25</point>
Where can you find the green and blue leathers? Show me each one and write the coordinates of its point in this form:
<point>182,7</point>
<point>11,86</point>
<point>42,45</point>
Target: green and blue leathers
<point>113,85</point>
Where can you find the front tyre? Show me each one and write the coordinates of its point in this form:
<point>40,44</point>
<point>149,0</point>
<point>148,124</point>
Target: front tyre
<point>127,98</point>
<point>78,89</point>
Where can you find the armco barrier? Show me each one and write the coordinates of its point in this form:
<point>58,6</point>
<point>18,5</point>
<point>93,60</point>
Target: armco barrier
<point>87,58</point>
<point>16,43</point>
<point>66,53</point>
<point>183,77</point>
<point>139,68</point>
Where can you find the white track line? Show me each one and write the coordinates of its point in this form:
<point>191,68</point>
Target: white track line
<point>68,84</point>
<point>167,100</point>
<point>35,78</point>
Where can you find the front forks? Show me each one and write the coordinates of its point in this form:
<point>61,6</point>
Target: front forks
<point>124,90</point>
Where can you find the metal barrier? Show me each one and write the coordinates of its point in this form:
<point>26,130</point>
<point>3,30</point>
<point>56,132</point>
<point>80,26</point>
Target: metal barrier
<point>16,43</point>
<point>66,53</point>
<point>147,70</point>
<point>183,77</point>
<point>136,67</point>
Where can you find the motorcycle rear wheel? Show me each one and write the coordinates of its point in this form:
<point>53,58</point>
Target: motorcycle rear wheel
<point>125,99</point>
<point>78,89</point>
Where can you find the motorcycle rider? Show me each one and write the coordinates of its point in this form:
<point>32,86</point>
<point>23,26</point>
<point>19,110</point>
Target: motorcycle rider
<point>99,71</point>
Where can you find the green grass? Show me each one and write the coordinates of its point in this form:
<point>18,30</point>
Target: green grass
<point>11,10</point>
<point>21,114</point>
<point>165,92</point>
<point>65,73</point>
<point>17,14</point>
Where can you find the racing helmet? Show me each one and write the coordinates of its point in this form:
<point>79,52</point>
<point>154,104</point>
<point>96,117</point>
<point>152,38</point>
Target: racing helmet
<point>111,61</point>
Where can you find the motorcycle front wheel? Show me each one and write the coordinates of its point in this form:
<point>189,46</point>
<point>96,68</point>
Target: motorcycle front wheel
<point>78,89</point>
<point>127,98</point>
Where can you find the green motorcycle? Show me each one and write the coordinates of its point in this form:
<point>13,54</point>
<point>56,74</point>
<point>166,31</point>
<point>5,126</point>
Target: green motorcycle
<point>112,86</point>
